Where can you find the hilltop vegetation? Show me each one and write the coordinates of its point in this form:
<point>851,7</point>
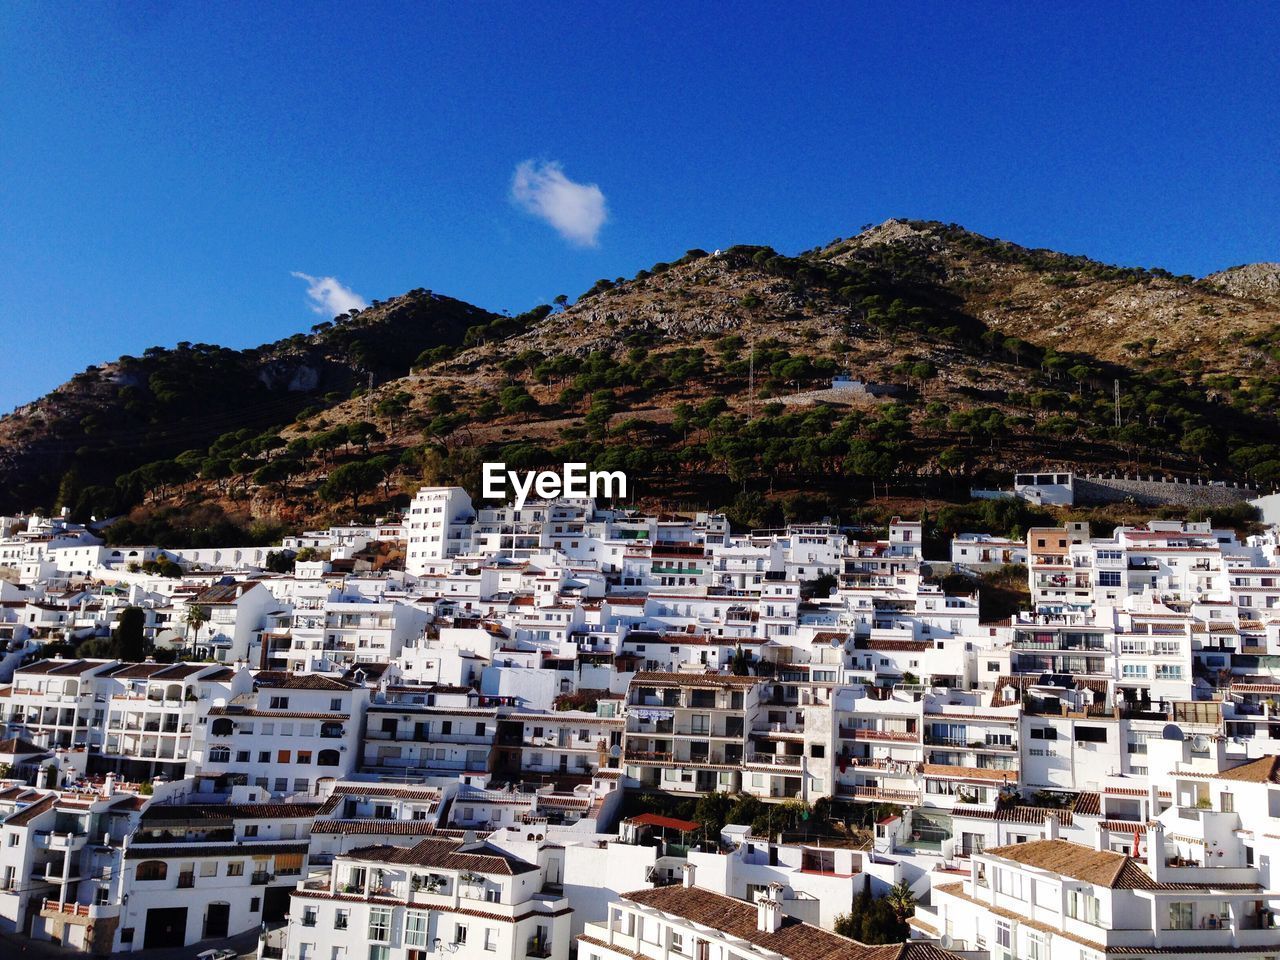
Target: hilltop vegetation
<point>686,376</point>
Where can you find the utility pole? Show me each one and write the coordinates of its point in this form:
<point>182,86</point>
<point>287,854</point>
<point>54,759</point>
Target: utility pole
<point>751,374</point>
<point>368,398</point>
<point>1117,396</point>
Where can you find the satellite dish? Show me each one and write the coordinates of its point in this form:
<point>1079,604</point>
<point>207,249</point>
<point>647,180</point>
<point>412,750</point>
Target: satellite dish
<point>1201,742</point>
<point>1172,732</point>
<point>946,941</point>
<point>615,751</point>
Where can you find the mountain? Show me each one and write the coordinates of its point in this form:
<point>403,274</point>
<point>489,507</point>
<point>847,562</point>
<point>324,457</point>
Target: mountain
<point>705,377</point>
<point>1067,302</point>
<point>112,418</point>
<point>1252,281</point>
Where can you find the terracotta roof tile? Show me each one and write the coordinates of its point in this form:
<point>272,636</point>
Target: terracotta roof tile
<point>446,855</point>
<point>1101,867</point>
<point>794,939</point>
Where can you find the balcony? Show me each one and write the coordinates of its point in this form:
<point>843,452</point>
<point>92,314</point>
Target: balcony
<point>791,761</point>
<point>648,756</point>
<point>881,795</point>
<point>260,878</point>
<point>894,736</point>
<point>64,842</point>
<point>539,947</point>
<point>78,912</point>
<point>959,743</point>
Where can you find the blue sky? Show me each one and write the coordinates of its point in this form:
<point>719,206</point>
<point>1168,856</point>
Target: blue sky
<point>165,173</point>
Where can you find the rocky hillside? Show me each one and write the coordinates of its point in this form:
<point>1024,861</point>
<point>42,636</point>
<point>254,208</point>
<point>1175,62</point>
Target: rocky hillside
<point>1252,281</point>
<point>707,379</point>
<point>1132,316</point>
<point>112,418</point>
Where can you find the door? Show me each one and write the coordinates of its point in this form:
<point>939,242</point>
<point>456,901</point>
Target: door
<point>217,917</point>
<point>275,903</point>
<point>166,927</point>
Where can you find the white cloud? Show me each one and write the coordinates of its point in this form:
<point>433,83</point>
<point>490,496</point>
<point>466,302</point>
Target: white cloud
<point>330,297</point>
<point>576,210</point>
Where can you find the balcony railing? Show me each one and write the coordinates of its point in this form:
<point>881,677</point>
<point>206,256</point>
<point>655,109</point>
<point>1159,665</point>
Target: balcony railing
<point>648,756</point>
<point>896,736</point>
<point>776,759</point>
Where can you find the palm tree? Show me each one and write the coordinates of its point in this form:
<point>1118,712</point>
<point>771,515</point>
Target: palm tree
<point>901,899</point>
<point>197,616</point>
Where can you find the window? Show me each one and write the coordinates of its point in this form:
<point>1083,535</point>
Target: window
<point>415,928</point>
<point>380,924</point>
<point>335,704</point>
<point>327,758</point>
<point>279,703</point>
<point>310,915</point>
<point>459,933</point>
<point>251,830</point>
<point>491,939</point>
<point>304,756</point>
<point>1009,882</point>
<point>282,756</point>
<point>307,951</point>
<point>1081,905</point>
<point>1108,578</point>
<point>342,919</point>
<point>209,868</point>
<point>152,870</point>
<point>235,868</point>
<point>1180,916</point>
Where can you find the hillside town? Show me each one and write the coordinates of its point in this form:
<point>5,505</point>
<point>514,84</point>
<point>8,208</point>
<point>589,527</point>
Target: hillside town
<point>567,730</point>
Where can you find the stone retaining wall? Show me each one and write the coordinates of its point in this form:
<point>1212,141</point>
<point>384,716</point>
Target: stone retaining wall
<point>1155,492</point>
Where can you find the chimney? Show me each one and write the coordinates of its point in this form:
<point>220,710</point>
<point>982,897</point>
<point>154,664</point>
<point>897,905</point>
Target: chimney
<point>1155,851</point>
<point>768,913</point>
<point>1101,838</point>
<point>689,870</point>
<point>1051,827</point>
<point>108,784</point>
